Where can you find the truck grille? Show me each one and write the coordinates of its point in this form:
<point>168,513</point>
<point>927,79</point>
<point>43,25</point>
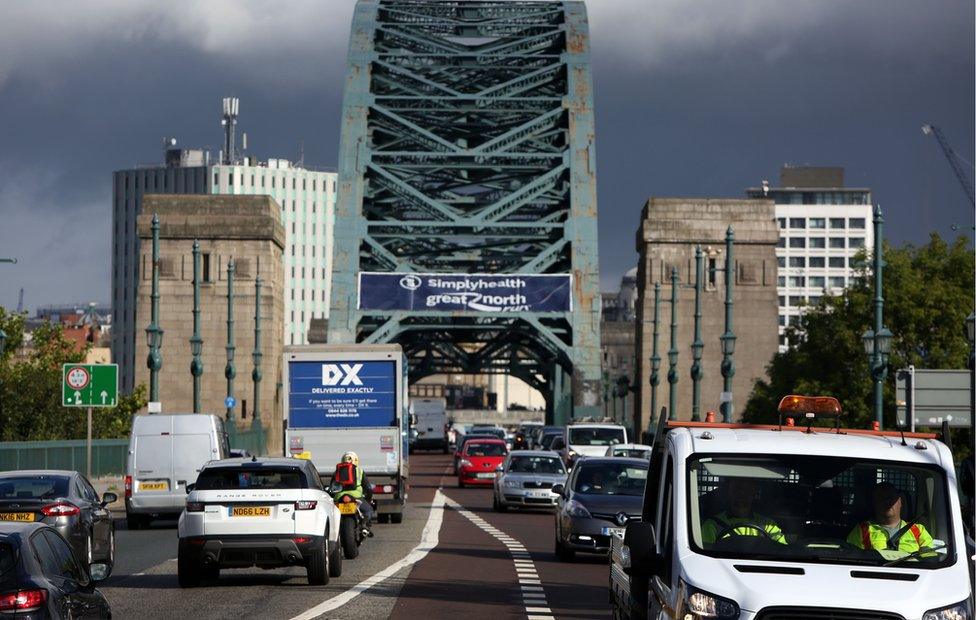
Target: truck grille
<point>823,613</point>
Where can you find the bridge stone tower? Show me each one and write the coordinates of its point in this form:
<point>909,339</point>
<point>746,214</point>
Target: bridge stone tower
<point>467,150</point>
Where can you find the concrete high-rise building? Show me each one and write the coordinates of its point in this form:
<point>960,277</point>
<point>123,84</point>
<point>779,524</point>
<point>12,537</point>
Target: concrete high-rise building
<point>822,226</point>
<point>306,203</point>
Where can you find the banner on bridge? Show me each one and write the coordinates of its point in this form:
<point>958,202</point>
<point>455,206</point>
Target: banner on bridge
<point>472,292</point>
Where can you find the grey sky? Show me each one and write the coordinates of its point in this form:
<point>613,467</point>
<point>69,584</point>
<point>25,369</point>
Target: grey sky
<point>692,98</point>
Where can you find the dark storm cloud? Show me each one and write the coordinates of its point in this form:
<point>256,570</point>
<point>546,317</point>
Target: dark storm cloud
<point>692,98</point>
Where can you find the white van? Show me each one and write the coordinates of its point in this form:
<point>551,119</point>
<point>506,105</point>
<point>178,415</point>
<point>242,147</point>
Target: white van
<point>761,522</point>
<point>165,454</point>
<point>589,440</point>
<point>429,417</point>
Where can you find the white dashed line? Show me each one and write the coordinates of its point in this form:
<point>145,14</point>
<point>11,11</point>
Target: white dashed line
<point>533,595</point>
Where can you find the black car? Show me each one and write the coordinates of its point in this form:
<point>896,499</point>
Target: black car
<point>40,576</point>
<point>66,501</point>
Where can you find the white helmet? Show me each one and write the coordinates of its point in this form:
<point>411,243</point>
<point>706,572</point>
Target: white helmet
<point>351,457</point>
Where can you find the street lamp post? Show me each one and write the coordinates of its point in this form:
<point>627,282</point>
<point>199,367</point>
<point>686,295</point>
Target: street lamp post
<point>154,334</point>
<point>728,338</point>
<point>877,342</point>
<point>256,357</point>
<point>229,371</point>
<point>196,342</point>
<point>3,348</point>
<point>606,393</point>
<point>673,351</point>
<point>655,358</point>
<point>971,337</point>
<point>697,345</point>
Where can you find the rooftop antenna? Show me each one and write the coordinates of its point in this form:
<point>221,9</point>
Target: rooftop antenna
<point>228,120</point>
<point>301,154</point>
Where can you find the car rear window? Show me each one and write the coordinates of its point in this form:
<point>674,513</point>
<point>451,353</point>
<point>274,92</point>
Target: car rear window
<point>33,487</point>
<point>217,478</point>
<point>536,465</point>
<point>486,449</point>
<point>8,557</point>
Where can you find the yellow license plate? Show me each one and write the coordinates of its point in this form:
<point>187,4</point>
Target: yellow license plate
<point>160,485</point>
<point>250,511</point>
<point>347,509</point>
<point>16,516</point>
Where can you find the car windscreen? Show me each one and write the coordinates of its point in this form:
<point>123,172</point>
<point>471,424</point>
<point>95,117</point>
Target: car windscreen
<point>632,453</point>
<point>218,478</point>
<point>485,449</point>
<point>819,509</point>
<point>536,465</point>
<point>611,479</point>
<point>595,436</point>
<point>33,487</point>
<point>547,439</point>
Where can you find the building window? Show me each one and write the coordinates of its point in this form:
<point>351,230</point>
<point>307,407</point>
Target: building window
<point>205,260</point>
<point>781,243</point>
<point>836,282</point>
<point>262,180</point>
<point>712,271</point>
<point>272,182</point>
<point>294,183</point>
<point>798,242</point>
<point>816,281</point>
<point>303,184</point>
<point>816,262</point>
<point>781,281</point>
<point>837,222</point>
<point>782,341</point>
<point>814,300</point>
<point>796,300</point>
<point>293,271</point>
<point>856,242</point>
<point>837,242</point>
<point>782,320</point>
<point>798,261</point>
<point>781,261</point>
<point>315,185</point>
<point>782,300</point>
<point>794,320</point>
<point>230,179</point>
<point>782,222</point>
<point>216,178</point>
<point>817,222</point>
<point>798,222</point>
<point>837,262</point>
<point>857,222</point>
<point>798,281</point>
<point>818,242</point>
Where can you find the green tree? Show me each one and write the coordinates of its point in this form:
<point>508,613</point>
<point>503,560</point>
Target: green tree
<point>928,293</point>
<point>30,389</point>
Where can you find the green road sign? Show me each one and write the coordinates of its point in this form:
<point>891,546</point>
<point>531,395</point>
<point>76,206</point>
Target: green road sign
<point>89,385</point>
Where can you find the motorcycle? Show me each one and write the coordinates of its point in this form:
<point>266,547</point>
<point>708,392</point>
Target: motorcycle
<point>354,528</point>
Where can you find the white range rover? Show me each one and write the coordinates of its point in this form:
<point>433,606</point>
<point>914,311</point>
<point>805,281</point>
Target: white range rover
<point>265,512</point>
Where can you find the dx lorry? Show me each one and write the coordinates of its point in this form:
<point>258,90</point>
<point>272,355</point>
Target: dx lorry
<point>351,397</point>
<point>769,522</point>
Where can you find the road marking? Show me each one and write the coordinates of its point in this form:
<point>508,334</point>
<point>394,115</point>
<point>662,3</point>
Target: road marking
<point>428,541</point>
<point>533,594</point>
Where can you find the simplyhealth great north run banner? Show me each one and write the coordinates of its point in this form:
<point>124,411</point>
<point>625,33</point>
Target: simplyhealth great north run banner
<point>474,292</point>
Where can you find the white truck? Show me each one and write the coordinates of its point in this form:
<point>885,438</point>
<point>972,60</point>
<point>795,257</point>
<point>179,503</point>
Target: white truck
<point>342,397</point>
<point>429,417</point>
<point>752,522</point>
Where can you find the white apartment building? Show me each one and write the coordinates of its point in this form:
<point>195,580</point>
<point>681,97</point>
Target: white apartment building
<point>307,200</point>
<point>823,225</point>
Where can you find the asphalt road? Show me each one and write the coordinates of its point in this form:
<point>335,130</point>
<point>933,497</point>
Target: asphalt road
<point>458,557</point>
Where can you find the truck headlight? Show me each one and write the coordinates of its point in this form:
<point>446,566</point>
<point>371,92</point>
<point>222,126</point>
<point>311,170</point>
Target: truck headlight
<point>959,611</point>
<point>701,604</point>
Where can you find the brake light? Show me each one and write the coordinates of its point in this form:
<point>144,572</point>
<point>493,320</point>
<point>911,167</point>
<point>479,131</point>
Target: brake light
<point>194,506</point>
<point>301,540</point>
<point>346,499</point>
<point>22,600</point>
<point>305,504</point>
<point>382,488</point>
<point>196,541</point>
<point>60,509</point>
<point>128,486</point>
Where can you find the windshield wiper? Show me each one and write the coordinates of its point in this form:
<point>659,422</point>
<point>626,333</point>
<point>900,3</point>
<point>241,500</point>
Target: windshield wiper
<point>914,554</point>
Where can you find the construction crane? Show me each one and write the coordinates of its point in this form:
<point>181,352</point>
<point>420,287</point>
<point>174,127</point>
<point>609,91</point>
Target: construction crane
<point>954,161</point>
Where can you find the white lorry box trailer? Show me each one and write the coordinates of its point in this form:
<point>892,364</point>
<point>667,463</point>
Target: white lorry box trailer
<point>429,417</point>
<point>342,397</point>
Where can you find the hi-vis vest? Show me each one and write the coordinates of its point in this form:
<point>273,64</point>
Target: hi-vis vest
<point>354,489</point>
<point>712,527</point>
<point>867,535</point>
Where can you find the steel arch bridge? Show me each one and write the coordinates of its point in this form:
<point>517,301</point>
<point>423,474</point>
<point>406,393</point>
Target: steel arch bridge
<point>467,147</point>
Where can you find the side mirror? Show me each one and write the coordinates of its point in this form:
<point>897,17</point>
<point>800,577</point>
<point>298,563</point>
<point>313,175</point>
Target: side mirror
<point>99,571</point>
<point>190,487</point>
<point>499,469</point>
<point>109,498</point>
<point>640,544</point>
<point>334,488</point>
<point>558,489</point>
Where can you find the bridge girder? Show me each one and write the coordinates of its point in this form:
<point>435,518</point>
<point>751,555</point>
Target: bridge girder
<point>468,147</point>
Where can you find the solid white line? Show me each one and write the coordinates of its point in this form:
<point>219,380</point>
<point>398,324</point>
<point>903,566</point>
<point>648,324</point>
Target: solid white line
<point>428,541</point>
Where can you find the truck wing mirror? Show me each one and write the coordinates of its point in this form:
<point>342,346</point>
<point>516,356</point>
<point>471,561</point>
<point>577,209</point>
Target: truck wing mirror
<point>640,543</point>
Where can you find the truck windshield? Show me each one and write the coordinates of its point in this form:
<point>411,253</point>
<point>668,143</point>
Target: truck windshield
<point>819,509</point>
<point>595,436</point>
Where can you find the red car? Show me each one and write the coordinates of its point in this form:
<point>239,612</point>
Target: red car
<point>478,461</point>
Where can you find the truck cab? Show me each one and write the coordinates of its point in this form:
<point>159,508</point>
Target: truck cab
<point>767,522</point>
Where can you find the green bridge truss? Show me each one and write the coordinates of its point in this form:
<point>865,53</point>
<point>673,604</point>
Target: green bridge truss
<point>468,147</point>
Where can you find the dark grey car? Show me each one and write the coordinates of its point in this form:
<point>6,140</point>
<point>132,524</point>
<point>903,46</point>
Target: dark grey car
<point>66,501</point>
<point>600,496</point>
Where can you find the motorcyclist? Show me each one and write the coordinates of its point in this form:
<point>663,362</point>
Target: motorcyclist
<point>362,490</point>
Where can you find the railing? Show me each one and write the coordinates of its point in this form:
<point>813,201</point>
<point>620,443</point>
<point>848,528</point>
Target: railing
<point>108,455</point>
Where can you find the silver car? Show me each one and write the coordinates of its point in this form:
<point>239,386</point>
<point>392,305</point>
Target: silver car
<point>526,480</point>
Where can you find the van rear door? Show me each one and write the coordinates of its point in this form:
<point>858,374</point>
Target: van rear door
<point>190,452</point>
<point>154,454</point>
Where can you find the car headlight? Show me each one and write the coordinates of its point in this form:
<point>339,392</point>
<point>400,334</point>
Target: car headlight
<point>576,509</point>
<point>959,611</point>
<point>701,604</point>
<point>513,484</point>
<point>464,463</point>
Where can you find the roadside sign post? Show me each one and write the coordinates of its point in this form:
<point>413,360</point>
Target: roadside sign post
<point>89,386</point>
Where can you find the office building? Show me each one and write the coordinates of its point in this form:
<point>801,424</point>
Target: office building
<point>822,225</point>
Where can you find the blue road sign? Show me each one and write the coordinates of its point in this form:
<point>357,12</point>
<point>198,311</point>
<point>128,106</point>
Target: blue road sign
<point>229,402</point>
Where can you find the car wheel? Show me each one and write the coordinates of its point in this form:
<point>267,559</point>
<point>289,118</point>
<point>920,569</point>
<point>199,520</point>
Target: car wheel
<point>133,522</point>
<point>460,484</point>
<point>210,573</point>
<point>187,569</point>
<point>347,535</point>
<point>335,558</point>
<point>562,553</point>
<point>396,517</point>
<point>383,518</point>
<point>318,565</point>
